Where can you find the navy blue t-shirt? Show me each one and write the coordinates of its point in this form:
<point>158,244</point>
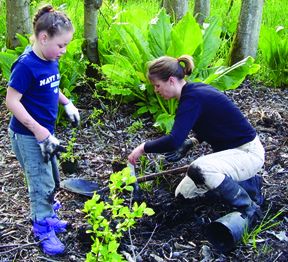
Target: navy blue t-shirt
<point>212,116</point>
<point>38,82</point>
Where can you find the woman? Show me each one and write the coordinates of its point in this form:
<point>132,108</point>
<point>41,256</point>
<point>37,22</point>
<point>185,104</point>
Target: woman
<point>238,154</point>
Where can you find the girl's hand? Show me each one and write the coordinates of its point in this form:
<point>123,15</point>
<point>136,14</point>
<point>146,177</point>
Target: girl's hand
<point>40,132</point>
<point>136,153</point>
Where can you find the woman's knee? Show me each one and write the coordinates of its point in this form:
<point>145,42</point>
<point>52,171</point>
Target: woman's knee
<point>196,174</point>
<point>207,176</point>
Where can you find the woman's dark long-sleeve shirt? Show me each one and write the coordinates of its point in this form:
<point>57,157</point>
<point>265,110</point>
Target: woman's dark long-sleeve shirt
<point>211,115</point>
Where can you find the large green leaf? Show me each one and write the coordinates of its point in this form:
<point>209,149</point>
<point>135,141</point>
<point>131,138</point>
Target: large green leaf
<point>119,74</point>
<point>225,78</point>
<point>186,37</point>
<point>165,122</point>
<point>119,60</point>
<point>127,46</point>
<point>6,61</point>
<point>140,42</point>
<point>274,52</point>
<point>159,36</point>
<point>211,44</point>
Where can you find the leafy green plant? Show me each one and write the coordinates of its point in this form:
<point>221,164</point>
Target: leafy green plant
<point>109,220</point>
<point>273,44</point>
<point>72,68</point>
<point>143,166</point>
<point>69,155</point>
<point>8,57</point>
<point>94,117</point>
<point>129,49</point>
<point>266,223</point>
<point>137,125</point>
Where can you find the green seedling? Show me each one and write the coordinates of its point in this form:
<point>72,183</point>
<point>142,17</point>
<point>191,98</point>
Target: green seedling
<point>266,223</point>
<point>112,218</point>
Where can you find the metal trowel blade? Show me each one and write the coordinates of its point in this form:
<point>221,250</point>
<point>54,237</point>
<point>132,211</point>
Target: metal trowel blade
<point>80,186</point>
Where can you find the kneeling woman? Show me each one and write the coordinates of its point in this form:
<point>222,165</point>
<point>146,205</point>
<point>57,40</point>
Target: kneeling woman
<point>230,171</point>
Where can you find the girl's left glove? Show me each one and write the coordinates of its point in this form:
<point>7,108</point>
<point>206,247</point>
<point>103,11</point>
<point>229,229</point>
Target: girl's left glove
<point>72,113</point>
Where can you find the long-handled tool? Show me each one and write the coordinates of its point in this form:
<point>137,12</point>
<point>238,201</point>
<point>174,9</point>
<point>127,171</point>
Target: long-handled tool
<point>55,172</point>
<point>87,187</point>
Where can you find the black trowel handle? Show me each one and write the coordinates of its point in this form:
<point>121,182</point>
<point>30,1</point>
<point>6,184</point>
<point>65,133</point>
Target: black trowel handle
<point>55,171</point>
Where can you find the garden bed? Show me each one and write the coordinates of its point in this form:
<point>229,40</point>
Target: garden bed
<point>177,230</point>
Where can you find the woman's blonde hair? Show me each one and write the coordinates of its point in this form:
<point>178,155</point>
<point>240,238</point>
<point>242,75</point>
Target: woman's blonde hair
<point>165,66</point>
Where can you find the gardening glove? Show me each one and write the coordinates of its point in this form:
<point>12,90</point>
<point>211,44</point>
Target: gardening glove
<point>50,147</point>
<point>182,151</point>
<point>72,113</point>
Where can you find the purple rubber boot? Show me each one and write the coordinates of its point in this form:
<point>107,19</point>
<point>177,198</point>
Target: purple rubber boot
<point>57,205</point>
<point>50,243</point>
<point>59,225</point>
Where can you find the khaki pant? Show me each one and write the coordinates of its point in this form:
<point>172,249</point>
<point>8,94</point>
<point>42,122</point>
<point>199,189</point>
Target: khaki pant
<point>239,163</point>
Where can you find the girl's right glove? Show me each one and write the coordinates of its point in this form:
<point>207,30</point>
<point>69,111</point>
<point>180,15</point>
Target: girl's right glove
<point>50,147</point>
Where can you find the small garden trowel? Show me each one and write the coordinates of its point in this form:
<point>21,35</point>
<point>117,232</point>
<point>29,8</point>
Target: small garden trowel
<point>87,188</point>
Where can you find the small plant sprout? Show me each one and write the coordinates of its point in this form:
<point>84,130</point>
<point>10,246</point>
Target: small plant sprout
<point>135,127</point>
<point>266,223</point>
<point>70,155</point>
<point>95,115</point>
<point>110,219</point>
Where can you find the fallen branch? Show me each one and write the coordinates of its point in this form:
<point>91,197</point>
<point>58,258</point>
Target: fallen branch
<point>175,171</point>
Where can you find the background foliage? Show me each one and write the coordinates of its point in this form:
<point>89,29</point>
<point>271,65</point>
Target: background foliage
<point>129,37</point>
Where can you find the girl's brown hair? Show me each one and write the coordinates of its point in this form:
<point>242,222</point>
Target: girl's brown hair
<point>166,66</point>
<point>52,21</point>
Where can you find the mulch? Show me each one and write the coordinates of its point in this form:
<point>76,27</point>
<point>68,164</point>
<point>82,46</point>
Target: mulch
<point>177,230</point>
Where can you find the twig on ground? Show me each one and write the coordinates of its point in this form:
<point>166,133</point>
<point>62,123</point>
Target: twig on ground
<point>48,259</point>
<point>175,171</point>
<point>18,247</point>
<point>152,234</point>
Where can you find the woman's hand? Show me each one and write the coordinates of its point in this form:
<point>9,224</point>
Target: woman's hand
<point>136,153</point>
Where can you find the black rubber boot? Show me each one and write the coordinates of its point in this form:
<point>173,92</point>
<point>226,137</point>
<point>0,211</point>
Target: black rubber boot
<point>253,187</point>
<point>233,194</point>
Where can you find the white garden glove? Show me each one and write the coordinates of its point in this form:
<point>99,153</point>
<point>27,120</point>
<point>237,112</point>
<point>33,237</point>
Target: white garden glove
<point>50,147</point>
<point>72,113</point>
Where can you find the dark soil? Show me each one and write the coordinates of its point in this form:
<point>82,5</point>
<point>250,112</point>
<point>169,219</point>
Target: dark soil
<point>177,230</point>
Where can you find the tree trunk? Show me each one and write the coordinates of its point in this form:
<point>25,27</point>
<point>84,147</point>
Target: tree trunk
<point>90,30</point>
<point>17,21</point>
<point>245,42</point>
<point>176,8</point>
<point>201,10</point>
<point>90,45</point>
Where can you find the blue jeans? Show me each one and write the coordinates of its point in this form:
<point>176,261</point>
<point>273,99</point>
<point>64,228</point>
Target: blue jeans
<point>38,174</point>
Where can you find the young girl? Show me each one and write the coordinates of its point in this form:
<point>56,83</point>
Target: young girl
<point>230,171</point>
<point>33,96</point>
